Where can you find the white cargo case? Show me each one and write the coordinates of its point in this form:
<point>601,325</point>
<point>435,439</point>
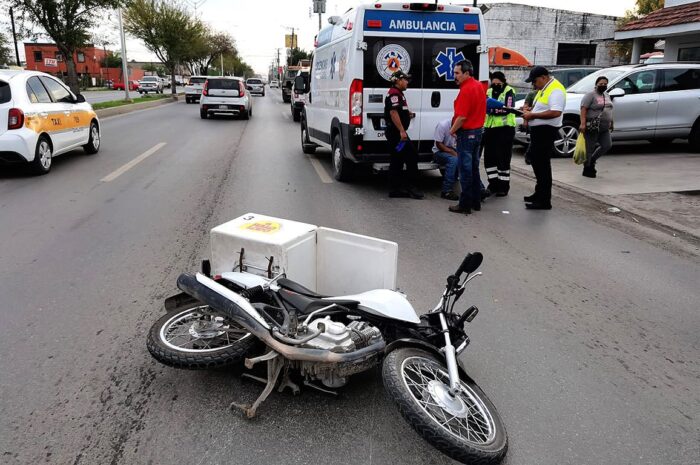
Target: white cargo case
<point>328,261</point>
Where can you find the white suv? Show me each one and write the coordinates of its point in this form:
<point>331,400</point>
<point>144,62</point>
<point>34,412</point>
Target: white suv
<point>150,84</point>
<point>255,86</point>
<point>227,96</point>
<point>193,89</point>
<point>658,102</point>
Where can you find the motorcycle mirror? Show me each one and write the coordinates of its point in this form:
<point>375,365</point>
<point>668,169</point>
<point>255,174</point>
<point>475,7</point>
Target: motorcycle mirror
<point>472,262</point>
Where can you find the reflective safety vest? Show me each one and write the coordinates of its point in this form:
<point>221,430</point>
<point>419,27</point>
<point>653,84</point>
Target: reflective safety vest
<point>497,121</point>
<point>543,95</point>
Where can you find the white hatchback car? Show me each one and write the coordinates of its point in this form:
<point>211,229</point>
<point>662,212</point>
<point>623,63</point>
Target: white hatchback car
<point>41,118</point>
<point>226,96</point>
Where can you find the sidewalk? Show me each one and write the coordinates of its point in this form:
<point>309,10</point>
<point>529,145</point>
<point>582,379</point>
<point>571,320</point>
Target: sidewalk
<point>663,188</point>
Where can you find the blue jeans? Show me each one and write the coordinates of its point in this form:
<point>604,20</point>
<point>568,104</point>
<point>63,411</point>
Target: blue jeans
<point>449,163</point>
<point>469,149</point>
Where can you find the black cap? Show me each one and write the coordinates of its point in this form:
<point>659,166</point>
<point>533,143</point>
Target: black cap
<point>536,72</point>
<point>398,74</point>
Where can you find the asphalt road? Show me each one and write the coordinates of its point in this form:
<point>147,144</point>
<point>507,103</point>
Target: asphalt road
<point>587,340</point>
<point>96,96</point>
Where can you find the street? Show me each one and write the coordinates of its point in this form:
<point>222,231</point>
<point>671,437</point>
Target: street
<point>587,340</point>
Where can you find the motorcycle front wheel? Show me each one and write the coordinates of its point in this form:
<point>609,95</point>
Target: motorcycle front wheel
<point>195,337</point>
<point>466,426</point>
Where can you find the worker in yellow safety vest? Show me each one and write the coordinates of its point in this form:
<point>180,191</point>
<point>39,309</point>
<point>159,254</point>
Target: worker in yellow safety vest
<point>544,120</point>
<point>499,132</point>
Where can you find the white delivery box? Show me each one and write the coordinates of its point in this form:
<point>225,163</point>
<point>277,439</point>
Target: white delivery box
<point>289,244</point>
<point>328,261</point>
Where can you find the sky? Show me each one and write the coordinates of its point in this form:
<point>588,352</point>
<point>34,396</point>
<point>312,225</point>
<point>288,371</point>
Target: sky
<point>259,26</point>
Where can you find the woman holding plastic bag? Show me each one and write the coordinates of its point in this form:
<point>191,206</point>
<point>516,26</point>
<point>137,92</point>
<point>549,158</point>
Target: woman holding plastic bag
<point>596,124</point>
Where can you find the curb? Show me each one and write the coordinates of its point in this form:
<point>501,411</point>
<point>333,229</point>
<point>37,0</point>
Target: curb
<point>604,201</point>
<point>124,109</point>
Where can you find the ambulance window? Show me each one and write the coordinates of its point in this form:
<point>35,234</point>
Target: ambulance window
<point>38,90</point>
<point>5,93</point>
<point>440,56</point>
<point>385,55</point>
<point>58,93</point>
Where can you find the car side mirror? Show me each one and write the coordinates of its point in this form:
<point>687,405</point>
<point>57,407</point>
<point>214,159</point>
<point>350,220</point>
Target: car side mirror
<point>616,93</point>
<point>80,98</point>
<point>300,84</point>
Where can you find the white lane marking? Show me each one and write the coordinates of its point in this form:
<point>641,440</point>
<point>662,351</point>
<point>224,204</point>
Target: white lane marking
<point>127,166</point>
<point>286,115</point>
<point>320,170</point>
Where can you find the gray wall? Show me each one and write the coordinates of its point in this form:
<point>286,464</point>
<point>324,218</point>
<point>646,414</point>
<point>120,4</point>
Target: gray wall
<point>676,42</point>
<point>536,32</point>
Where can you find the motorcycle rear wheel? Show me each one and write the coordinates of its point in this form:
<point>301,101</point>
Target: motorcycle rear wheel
<point>194,337</point>
<point>465,427</point>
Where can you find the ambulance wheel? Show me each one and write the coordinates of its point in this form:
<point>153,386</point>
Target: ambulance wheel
<point>93,145</point>
<point>306,145</point>
<point>42,156</point>
<point>342,167</point>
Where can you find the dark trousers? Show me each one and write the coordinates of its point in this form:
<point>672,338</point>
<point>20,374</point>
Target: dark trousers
<point>597,144</point>
<point>498,150</point>
<point>541,147</point>
<point>398,179</point>
<point>468,154</point>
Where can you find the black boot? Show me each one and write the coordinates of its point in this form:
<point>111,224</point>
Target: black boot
<point>589,171</point>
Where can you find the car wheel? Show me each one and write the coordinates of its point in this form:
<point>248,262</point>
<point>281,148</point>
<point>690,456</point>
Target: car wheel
<point>566,141</point>
<point>306,145</point>
<point>203,114</point>
<point>93,145</point>
<point>43,156</point>
<point>342,167</point>
<point>245,114</point>
<point>296,114</point>
<point>694,138</point>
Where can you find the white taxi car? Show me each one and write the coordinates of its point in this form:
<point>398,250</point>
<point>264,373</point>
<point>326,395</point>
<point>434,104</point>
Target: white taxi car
<point>41,118</point>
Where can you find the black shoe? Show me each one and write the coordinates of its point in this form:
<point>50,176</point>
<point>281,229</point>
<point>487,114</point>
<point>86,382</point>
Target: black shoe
<point>501,194</point>
<point>415,194</point>
<point>399,194</point>
<point>538,206</point>
<point>589,172</point>
<point>458,209</point>
<point>476,207</point>
<point>530,198</point>
<point>449,195</point>
<point>486,193</point>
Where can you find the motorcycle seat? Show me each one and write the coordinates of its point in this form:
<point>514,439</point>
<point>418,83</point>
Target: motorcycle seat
<point>306,304</point>
<point>290,285</point>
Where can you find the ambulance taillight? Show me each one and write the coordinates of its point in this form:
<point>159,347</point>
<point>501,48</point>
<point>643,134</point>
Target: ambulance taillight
<point>15,118</point>
<point>356,102</point>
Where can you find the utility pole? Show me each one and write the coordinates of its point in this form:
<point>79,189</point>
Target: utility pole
<point>125,69</point>
<point>14,36</point>
<point>222,64</point>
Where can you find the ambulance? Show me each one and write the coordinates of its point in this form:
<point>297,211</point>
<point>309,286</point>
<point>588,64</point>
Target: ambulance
<point>41,118</point>
<point>352,64</point>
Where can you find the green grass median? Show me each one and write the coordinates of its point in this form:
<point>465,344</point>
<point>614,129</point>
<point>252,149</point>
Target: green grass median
<point>121,102</point>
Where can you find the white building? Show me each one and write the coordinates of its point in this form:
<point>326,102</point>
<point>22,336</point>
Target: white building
<point>678,22</point>
<point>547,36</point>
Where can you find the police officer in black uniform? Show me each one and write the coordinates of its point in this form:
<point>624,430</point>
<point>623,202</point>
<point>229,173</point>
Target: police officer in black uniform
<point>402,151</point>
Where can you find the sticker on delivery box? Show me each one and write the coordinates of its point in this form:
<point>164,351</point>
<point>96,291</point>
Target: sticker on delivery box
<point>392,58</point>
<point>265,227</point>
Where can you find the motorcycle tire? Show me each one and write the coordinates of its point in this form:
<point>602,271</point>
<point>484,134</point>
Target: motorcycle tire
<point>417,382</point>
<point>201,341</point>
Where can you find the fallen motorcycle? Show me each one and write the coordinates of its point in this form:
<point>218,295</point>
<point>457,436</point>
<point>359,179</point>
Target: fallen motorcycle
<point>319,341</point>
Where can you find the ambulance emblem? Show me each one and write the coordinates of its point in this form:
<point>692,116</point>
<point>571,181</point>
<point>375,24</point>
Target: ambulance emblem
<point>391,58</point>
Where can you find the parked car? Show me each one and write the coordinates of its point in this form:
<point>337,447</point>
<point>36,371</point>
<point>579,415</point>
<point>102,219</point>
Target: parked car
<point>41,118</point>
<point>150,84</point>
<point>274,83</point>
<point>193,89</point>
<point>255,86</point>
<point>656,102</point>
<point>133,85</point>
<point>227,96</point>
<point>166,82</point>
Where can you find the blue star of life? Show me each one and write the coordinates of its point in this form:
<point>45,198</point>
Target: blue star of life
<point>447,62</point>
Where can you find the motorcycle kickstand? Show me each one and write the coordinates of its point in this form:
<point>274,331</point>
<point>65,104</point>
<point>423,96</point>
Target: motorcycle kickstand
<point>274,367</point>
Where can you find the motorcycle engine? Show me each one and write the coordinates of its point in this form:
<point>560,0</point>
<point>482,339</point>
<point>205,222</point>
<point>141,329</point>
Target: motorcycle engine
<point>338,337</point>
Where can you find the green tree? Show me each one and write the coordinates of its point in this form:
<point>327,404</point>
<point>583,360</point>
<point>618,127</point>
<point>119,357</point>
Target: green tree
<point>209,49</point>
<point>112,60</point>
<point>299,54</point>
<point>67,23</point>
<point>167,30</point>
<point>6,53</point>
<point>642,8</point>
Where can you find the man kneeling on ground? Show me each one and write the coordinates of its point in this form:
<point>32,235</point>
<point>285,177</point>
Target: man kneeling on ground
<point>445,155</point>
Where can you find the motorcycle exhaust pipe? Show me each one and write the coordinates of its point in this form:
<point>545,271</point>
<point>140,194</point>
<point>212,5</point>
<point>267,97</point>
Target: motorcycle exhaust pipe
<point>237,308</point>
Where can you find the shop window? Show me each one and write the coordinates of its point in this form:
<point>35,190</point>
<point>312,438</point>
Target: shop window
<point>81,57</point>
<point>689,54</point>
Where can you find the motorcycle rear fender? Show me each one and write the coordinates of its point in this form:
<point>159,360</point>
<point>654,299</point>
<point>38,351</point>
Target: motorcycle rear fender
<point>418,344</point>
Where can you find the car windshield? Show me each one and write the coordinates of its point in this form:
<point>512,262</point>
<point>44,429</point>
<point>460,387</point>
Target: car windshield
<point>196,80</point>
<point>150,78</point>
<point>5,94</point>
<point>226,84</point>
<point>587,84</point>
<point>254,81</point>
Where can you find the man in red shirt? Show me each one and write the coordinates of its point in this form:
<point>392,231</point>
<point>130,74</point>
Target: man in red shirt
<point>468,127</point>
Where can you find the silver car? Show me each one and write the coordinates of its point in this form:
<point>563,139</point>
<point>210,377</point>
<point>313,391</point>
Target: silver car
<point>658,102</point>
